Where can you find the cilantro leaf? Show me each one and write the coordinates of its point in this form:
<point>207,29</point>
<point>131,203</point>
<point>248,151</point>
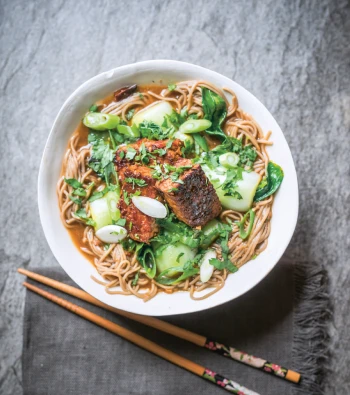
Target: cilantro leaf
<point>136,181</point>
<point>93,108</point>
<point>75,200</point>
<point>152,131</point>
<point>73,182</point>
<point>130,114</point>
<point>120,222</point>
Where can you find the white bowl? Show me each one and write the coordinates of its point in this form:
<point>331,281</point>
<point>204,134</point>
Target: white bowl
<point>285,208</point>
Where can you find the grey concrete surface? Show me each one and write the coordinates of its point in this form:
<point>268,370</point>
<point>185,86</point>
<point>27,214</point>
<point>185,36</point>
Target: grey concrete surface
<point>293,55</point>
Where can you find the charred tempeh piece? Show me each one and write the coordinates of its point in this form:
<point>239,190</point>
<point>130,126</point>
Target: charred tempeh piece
<point>143,227</point>
<point>153,147</point>
<point>194,201</point>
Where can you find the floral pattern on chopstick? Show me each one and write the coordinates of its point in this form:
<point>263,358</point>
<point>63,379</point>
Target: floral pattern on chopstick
<point>243,357</point>
<point>227,384</point>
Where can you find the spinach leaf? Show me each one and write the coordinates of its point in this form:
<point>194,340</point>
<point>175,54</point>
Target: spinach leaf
<point>274,179</point>
<point>214,108</point>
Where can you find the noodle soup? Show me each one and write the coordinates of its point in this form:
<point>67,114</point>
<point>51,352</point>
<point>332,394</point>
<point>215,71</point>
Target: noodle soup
<point>168,188</point>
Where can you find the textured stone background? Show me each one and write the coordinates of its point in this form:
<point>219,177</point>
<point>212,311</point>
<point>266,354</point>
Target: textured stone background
<point>293,55</point>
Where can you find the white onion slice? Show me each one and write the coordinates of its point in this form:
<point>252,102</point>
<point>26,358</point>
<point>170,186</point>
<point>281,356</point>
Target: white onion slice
<point>206,270</point>
<point>111,233</point>
<point>151,207</point>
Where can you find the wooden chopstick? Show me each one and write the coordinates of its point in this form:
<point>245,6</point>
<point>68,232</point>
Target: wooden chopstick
<point>163,326</point>
<point>146,344</point>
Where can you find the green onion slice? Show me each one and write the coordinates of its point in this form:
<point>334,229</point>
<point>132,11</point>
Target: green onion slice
<point>195,126</point>
<point>99,121</point>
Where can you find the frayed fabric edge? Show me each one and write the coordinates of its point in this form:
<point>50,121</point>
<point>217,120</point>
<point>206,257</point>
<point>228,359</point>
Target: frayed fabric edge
<point>312,312</point>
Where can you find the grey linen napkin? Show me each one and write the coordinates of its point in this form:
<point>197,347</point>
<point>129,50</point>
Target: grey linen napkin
<point>281,320</point>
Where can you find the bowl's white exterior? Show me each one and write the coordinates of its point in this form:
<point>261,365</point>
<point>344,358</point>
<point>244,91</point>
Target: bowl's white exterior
<point>285,208</point>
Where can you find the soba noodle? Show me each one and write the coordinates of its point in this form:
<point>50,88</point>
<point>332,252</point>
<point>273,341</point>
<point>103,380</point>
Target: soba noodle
<point>118,267</point>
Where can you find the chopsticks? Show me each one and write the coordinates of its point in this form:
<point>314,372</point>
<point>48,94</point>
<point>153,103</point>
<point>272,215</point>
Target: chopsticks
<point>146,344</point>
<point>192,337</point>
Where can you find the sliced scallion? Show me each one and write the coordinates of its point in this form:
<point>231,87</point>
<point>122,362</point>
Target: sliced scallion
<point>229,160</point>
<point>99,121</point>
<point>195,126</point>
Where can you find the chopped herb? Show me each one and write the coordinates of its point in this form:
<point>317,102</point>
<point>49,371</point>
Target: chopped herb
<point>171,87</point>
<point>93,108</point>
<point>152,131</point>
<point>230,184</point>
<point>121,154</point>
<point>173,190</point>
<point>79,192</point>
<point>106,247</point>
<point>135,280</point>
<point>101,161</point>
<point>130,114</point>
<point>120,222</point>
<point>141,96</point>
<point>136,193</point>
<point>126,198</point>
<point>130,154</point>
<point>130,226</point>
<point>136,181</point>
<point>75,200</point>
<point>73,182</point>
<point>91,185</point>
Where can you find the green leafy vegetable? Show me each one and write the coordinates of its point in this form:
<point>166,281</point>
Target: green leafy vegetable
<point>73,182</point>
<point>101,161</point>
<point>269,186</point>
<point>75,200</point>
<point>120,222</point>
<point>136,181</point>
<point>79,192</point>
<point>147,260</point>
<point>171,87</point>
<point>201,142</point>
<point>152,131</point>
<point>130,153</point>
<point>214,108</point>
<point>93,108</point>
<point>130,114</point>
<point>230,184</point>
<point>135,280</point>
<point>81,213</point>
<point>173,231</point>
<point>126,198</point>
